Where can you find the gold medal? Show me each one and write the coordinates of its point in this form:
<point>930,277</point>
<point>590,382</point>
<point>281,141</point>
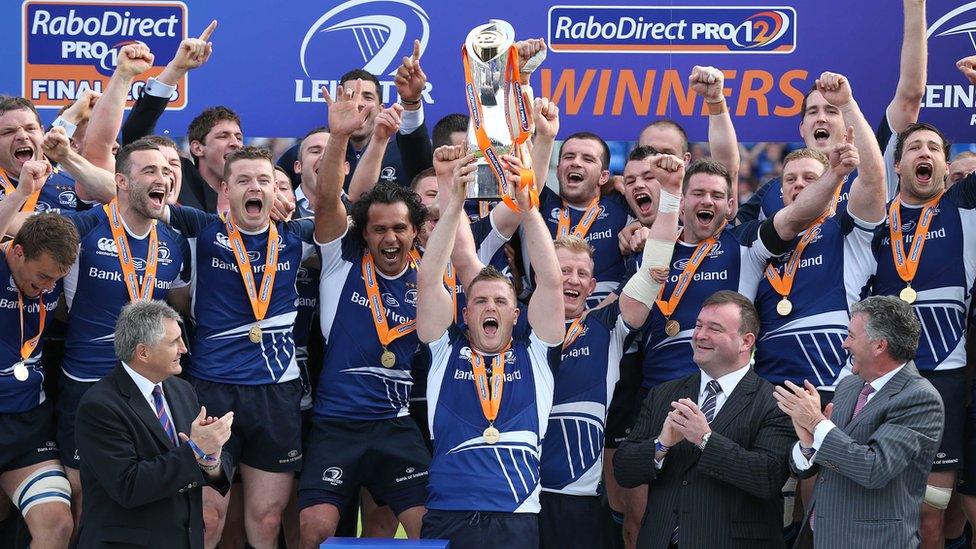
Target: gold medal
<point>908,295</point>
<point>672,328</point>
<point>491,435</point>
<point>784,307</point>
<point>20,371</point>
<point>388,359</point>
<point>255,334</point>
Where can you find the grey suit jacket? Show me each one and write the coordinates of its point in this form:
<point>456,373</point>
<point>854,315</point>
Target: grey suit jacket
<point>872,469</point>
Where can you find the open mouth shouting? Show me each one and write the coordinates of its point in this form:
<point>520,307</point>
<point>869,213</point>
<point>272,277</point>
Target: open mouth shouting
<point>575,178</point>
<point>157,197</point>
<point>253,206</point>
<point>705,217</point>
<point>821,136</point>
<point>923,172</point>
<point>390,254</point>
<point>23,154</point>
<point>645,204</point>
<point>490,326</point>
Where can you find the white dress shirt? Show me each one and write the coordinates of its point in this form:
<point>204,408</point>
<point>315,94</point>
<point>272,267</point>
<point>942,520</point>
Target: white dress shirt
<point>728,382</point>
<point>824,427</point>
<point>146,388</point>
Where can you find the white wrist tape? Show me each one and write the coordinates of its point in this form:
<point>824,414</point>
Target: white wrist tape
<point>668,203</point>
<point>643,288</point>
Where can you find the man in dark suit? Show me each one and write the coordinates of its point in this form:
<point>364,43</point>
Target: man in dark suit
<point>873,446</point>
<point>712,446</point>
<point>141,474</point>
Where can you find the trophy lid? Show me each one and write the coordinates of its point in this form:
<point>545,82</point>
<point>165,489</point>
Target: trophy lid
<point>491,40</point>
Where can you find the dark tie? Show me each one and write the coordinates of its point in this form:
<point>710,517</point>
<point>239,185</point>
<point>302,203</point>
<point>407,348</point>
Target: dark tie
<point>157,394</point>
<point>862,399</point>
<point>712,390</point>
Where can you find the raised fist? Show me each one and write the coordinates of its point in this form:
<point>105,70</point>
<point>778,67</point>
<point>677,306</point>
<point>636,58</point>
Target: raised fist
<point>546,118</point>
<point>446,157</point>
<point>81,109</point>
<point>707,82</point>
<point>56,144</point>
<point>835,88</point>
<point>531,53</point>
<point>33,174</point>
<point>669,171</point>
<point>134,59</point>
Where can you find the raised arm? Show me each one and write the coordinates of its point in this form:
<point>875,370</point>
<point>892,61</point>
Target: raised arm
<point>709,83</point>
<point>33,174</point>
<point>92,183</point>
<point>905,106</point>
<point>371,163</point>
<point>641,290</point>
<point>346,115</point>
<point>867,200</point>
<point>416,151</point>
<point>106,119</point>
<point>435,309</point>
<point>546,117</point>
<point>191,54</point>
<point>812,201</point>
<point>546,313</point>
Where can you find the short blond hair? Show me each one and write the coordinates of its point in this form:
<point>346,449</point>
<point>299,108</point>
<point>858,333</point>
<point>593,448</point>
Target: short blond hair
<point>575,244</point>
<point>807,153</point>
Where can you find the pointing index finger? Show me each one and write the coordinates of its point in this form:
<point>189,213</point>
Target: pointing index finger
<point>205,35</point>
<point>416,50</point>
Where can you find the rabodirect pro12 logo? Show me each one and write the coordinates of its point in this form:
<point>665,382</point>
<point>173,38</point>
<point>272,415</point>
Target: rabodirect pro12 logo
<point>373,35</point>
<point>70,47</point>
<point>672,29</point>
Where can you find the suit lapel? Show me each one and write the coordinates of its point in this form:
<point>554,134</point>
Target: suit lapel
<point>740,398</point>
<point>878,401</point>
<point>685,449</point>
<point>180,408</point>
<point>844,404</point>
<point>140,407</point>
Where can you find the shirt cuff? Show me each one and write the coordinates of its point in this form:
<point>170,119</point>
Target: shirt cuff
<point>156,88</point>
<point>69,128</point>
<point>820,432</point>
<point>659,464</point>
<point>411,120</point>
<point>801,462</point>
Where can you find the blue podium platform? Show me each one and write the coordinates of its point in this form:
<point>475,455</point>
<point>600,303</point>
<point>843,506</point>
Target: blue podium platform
<point>368,543</point>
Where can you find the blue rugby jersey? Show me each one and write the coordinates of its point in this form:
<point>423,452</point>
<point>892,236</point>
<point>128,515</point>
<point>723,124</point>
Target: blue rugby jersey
<point>95,290</point>
<point>21,396</point>
<point>572,453</point>
<point>608,262</point>
<point>466,473</point>
<point>807,344</point>
<point>221,351</point>
<point>768,199</point>
<point>736,263</point>
<point>944,278</point>
<point>57,195</point>
<point>354,384</point>
<point>307,285</point>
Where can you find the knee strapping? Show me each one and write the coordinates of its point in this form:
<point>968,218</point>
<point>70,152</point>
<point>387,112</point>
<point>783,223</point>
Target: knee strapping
<point>937,496</point>
<point>47,485</point>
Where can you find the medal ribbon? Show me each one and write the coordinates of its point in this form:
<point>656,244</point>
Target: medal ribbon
<point>8,188</point>
<point>574,331</point>
<point>484,208</point>
<point>526,175</point>
<point>686,276</point>
<point>28,347</point>
<point>908,266</point>
<point>385,334</point>
<point>583,227</point>
<point>259,298</point>
<point>127,262</point>
<point>784,284</point>
<point>489,396</point>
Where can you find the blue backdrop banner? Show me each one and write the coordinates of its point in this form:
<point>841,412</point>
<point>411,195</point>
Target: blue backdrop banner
<point>611,69</point>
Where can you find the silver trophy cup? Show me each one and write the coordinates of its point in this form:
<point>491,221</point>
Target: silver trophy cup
<point>486,48</point>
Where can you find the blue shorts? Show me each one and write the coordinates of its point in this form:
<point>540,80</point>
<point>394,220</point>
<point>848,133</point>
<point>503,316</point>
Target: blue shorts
<point>27,438</point>
<point>951,385</point>
<point>570,521</point>
<point>386,456</point>
<point>69,395</point>
<point>482,530</point>
<point>267,431</point>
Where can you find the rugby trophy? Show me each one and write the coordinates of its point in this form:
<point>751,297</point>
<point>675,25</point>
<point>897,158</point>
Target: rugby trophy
<point>500,106</point>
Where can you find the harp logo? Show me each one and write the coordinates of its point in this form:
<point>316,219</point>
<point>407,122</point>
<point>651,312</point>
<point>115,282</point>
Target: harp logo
<point>958,28</point>
<point>376,33</point>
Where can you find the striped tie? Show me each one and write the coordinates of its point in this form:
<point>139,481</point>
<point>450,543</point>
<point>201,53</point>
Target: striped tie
<point>157,394</point>
<point>712,389</point>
